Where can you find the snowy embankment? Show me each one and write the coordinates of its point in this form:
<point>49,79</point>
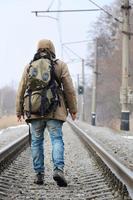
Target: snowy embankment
<point>12,133</point>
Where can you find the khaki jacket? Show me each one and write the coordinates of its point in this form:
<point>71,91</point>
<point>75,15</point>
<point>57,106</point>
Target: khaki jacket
<point>67,100</point>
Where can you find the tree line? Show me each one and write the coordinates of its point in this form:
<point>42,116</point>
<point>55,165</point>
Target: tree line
<point>7,100</point>
<point>107,31</point>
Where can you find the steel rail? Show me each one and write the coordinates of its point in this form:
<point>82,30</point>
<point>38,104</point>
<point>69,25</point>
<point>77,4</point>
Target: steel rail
<point>121,172</point>
<point>13,148</point>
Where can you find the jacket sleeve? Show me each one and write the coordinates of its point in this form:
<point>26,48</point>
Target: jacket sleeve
<point>69,91</point>
<point>20,93</point>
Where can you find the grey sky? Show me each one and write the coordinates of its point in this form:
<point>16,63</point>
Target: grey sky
<point>21,30</point>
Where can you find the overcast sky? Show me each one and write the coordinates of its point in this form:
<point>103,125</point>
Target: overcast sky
<point>21,30</point>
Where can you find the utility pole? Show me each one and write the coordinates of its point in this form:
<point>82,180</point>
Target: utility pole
<point>94,87</point>
<point>82,85</point>
<point>125,64</point>
<point>78,94</point>
<point>80,97</point>
<point>83,95</point>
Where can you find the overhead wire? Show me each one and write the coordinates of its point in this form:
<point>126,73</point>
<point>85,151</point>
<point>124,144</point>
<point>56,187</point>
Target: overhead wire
<point>59,26</point>
<point>81,10</point>
<point>65,11</point>
<point>57,19</point>
<point>116,19</point>
<point>73,52</point>
<point>76,42</point>
<point>67,53</point>
<point>50,5</point>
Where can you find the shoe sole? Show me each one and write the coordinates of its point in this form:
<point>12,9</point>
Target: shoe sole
<point>60,182</point>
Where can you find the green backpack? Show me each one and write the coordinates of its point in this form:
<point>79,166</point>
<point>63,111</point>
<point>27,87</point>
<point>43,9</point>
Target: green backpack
<point>41,96</point>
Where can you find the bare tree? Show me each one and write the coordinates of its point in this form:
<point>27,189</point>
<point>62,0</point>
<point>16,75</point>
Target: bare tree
<point>108,32</point>
<point>7,100</point>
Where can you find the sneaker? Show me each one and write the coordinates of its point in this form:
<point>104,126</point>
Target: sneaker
<point>39,178</point>
<point>58,176</point>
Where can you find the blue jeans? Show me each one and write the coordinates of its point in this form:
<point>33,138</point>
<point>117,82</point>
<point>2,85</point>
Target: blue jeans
<point>37,147</point>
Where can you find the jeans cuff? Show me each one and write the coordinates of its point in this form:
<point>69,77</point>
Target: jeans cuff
<point>60,168</point>
<point>37,171</point>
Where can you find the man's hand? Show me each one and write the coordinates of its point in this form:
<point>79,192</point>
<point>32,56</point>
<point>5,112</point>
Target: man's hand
<point>73,116</point>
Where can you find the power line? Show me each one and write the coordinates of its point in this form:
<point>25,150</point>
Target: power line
<point>47,16</point>
<point>72,52</point>
<point>55,11</point>
<point>67,53</point>
<point>75,42</point>
<point>59,26</point>
<point>116,19</point>
<point>73,61</point>
<point>51,4</point>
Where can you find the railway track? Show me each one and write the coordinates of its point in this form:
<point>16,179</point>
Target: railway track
<point>88,177</point>
<point>9,152</point>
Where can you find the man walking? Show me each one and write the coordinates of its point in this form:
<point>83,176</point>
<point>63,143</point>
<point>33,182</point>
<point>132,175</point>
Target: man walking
<point>42,110</point>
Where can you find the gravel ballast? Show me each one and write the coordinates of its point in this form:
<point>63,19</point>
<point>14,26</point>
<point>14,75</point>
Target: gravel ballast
<point>117,143</point>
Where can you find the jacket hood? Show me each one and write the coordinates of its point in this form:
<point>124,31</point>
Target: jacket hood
<point>46,44</point>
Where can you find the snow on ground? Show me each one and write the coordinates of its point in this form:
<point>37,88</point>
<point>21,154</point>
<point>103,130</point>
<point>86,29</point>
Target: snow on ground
<point>12,133</point>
